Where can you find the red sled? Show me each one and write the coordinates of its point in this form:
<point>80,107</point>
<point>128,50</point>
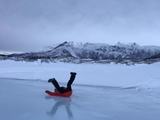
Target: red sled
<point>66,94</point>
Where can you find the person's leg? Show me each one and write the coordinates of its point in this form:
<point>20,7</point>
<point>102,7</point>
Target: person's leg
<point>56,85</point>
<point>72,78</point>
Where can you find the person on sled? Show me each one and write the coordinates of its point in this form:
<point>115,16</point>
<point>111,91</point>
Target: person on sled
<point>63,89</point>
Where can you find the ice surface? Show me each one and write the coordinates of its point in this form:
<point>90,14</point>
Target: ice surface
<point>101,92</point>
<point>117,75</point>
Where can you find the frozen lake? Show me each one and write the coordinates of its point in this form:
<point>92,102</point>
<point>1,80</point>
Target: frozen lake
<point>112,92</point>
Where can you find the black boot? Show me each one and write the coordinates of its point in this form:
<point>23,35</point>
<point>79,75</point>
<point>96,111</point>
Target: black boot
<point>51,80</point>
<point>73,73</point>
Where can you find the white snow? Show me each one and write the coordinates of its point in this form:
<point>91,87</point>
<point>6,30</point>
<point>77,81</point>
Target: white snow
<point>100,91</point>
<point>115,75</point>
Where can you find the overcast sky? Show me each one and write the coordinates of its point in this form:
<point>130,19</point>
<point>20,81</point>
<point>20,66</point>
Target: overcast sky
<point>31,25</point>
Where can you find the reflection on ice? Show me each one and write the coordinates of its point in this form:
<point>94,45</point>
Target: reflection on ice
<point>58,103</point>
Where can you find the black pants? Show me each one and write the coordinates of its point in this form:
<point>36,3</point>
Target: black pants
<point>64,89</point>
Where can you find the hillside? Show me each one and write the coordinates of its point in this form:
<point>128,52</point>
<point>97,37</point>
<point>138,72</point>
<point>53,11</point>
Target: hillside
<point>92,52</point>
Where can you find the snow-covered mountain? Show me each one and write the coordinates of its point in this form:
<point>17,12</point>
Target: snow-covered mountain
<point>93,52</point>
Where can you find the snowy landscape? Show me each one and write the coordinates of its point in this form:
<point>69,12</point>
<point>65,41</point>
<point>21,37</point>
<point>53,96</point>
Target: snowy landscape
<point>109,48</point>
<point>71,52</point>
<point>100,91</point>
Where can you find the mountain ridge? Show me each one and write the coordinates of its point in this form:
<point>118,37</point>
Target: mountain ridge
<point>92,52</point>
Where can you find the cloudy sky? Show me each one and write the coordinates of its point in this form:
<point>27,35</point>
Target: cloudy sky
<point>31,25</point>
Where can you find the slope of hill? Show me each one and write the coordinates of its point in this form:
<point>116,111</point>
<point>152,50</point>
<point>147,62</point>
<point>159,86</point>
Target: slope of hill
<point>92,52</point>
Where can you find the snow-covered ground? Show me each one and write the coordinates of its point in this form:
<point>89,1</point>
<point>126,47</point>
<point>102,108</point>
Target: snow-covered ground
<point>101,91</point>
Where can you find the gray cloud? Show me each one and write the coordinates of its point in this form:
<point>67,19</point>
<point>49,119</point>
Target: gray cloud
<point>27,25</point>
